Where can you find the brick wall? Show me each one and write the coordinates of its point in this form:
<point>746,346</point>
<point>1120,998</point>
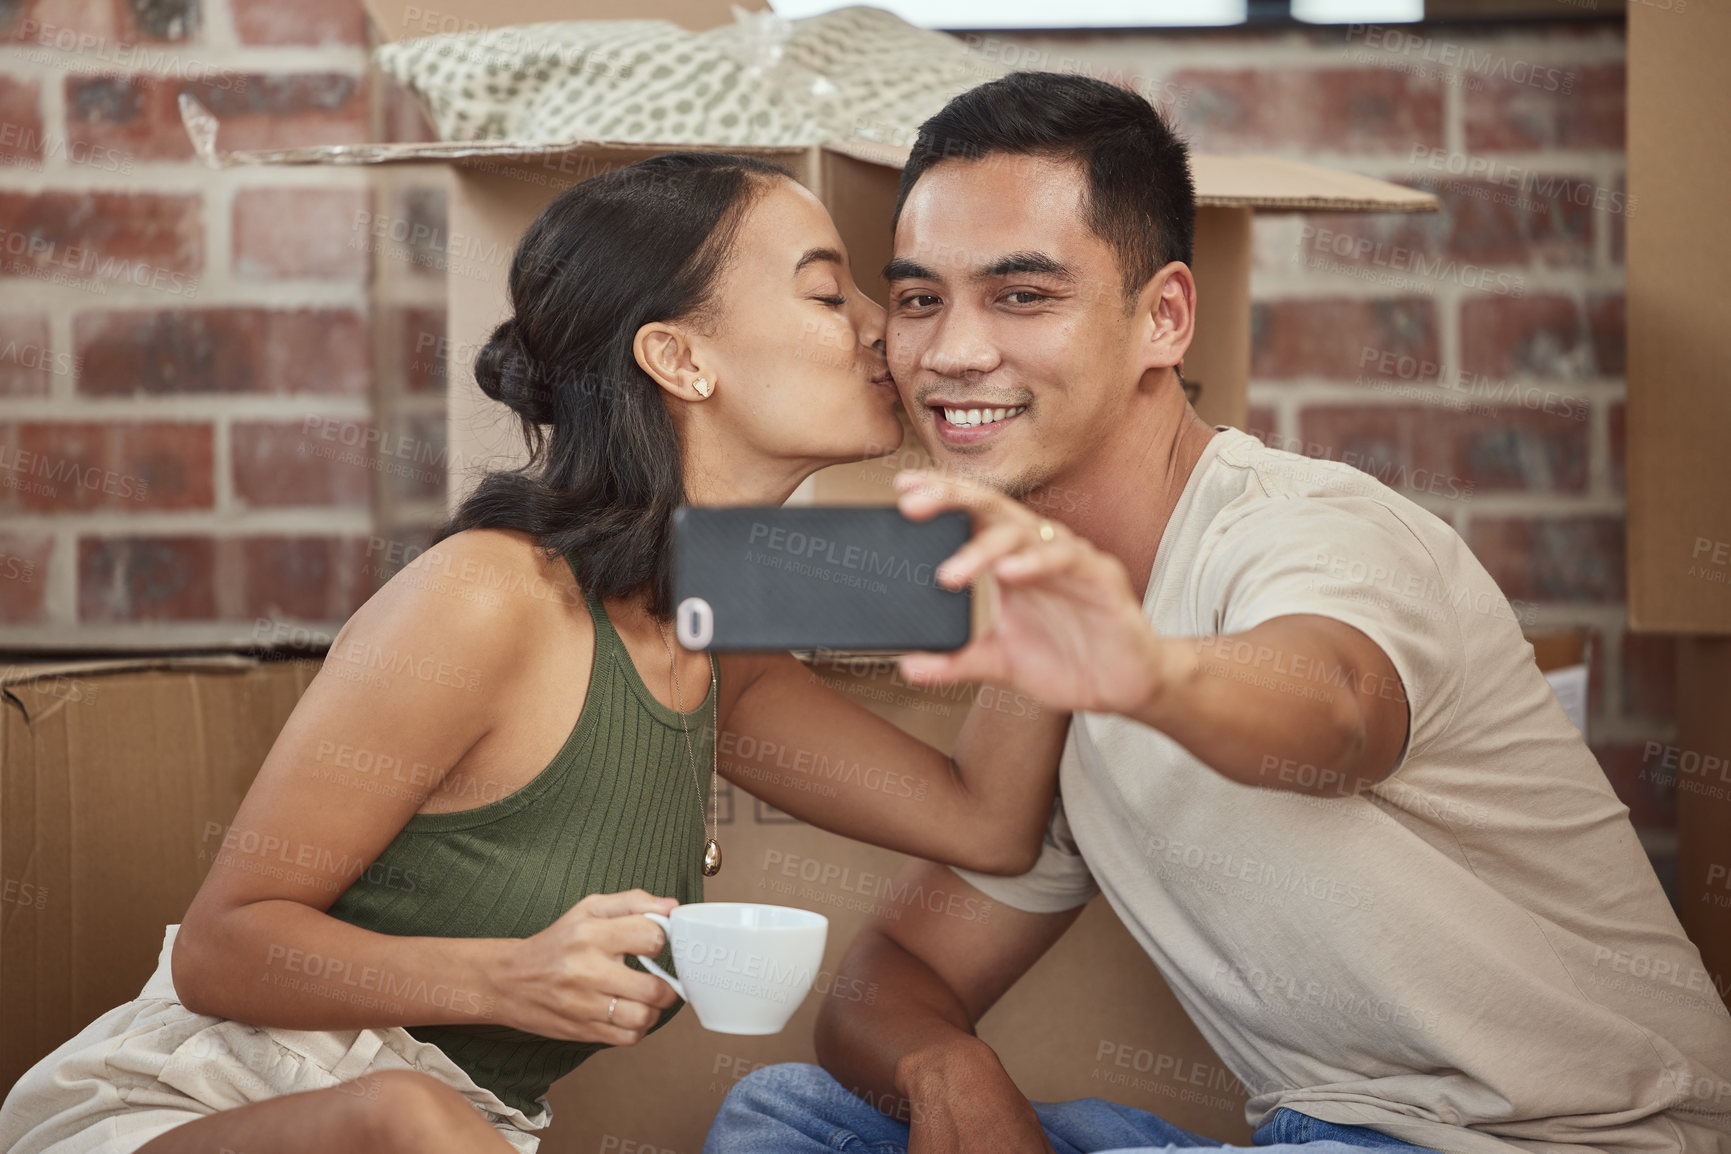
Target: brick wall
<point>186,355</point>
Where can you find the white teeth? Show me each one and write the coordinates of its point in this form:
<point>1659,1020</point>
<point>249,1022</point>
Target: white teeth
<point>968,418</point>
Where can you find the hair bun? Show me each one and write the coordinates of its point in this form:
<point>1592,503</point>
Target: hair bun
<point>510,374</point>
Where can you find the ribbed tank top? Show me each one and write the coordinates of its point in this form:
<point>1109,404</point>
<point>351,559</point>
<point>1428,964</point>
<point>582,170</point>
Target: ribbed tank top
<point>614,810</point>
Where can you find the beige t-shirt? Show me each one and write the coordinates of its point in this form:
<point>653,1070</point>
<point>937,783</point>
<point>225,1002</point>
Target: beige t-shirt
<point>1473,956</point>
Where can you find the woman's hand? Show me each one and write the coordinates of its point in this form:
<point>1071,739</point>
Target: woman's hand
<point>560,982</point>
<point>1069,630</point>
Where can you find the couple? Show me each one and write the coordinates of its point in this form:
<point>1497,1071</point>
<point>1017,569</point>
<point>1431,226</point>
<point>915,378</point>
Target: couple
<point>1297,785</point>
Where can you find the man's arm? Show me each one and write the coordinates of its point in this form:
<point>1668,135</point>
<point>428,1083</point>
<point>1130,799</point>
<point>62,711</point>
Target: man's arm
<point>1303,690</point>
<point>911,1049</point>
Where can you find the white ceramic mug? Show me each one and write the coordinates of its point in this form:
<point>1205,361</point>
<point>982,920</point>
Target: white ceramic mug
<point>745,968</point>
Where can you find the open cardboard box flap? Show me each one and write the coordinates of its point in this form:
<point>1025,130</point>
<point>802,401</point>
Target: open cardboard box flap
<point>1263,183</point>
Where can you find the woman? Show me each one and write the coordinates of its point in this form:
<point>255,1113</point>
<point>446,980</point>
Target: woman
<point>420,917</point>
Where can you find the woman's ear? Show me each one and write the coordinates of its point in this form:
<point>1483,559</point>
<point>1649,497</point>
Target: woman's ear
<point>664,351</point>
<point>1166,310</point>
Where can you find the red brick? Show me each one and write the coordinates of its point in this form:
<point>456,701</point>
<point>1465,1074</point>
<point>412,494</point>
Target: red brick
<point>27,363</point>
<point>68,466</point>
<point>1331,338</point>
<point>24,561</point>
<point>52,23</point>
<point>1442,452</point>
<point>1616,421</point>
<point>1650,675</point>
<point>146,578</point>
<point>154,239</point>
<point>227,350</point>
<point>1557,558</point>
<point>312,461</point>
<point>1355,110</point>
<point>298,232</point>
<point>420,209</point>
<point>20,122</point>
<point>305,578</point>
<point>163,19</point>
<point>423,349</point>
<point>1552,337</point>
<point>1608,322</point>
<point>1642,784</point>
<point>139,115</point>
<point>304,22</point>
<point>414,459</point>
<point>1263,424</point>
<point>278,110</point>
<point>1620,220</point>
<point>1505,114</point>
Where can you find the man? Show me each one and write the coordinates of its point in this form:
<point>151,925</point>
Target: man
<point>1309,742</point>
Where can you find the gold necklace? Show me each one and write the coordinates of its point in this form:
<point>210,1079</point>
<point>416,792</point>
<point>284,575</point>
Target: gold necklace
<point>711,847</point>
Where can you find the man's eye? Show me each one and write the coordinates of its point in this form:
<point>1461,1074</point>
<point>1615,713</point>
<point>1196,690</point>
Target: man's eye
<point>919,301</point>
<point>1026,297</point>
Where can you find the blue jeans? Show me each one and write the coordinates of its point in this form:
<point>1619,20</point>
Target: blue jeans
<point>795,1108</point>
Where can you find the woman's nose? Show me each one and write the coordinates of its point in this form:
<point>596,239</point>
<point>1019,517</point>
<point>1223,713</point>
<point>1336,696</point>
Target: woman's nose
<point>872,324</point>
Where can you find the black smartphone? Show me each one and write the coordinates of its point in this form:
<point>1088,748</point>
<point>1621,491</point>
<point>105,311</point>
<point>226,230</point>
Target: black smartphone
<point>816,577</point>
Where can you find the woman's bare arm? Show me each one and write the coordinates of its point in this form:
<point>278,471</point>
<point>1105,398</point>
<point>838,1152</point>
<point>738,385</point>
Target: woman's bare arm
<point>415,679</point>
<point>805,748</point>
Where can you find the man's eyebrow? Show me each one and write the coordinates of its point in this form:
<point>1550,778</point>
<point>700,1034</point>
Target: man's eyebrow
<point>902,268</point>
<point>819,256</point>
<point>1026,262</point>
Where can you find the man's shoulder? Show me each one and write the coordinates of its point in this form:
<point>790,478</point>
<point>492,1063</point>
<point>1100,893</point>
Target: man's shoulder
<point>1254,484</point>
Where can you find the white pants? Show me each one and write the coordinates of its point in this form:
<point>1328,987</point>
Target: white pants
<point>151,1065</point>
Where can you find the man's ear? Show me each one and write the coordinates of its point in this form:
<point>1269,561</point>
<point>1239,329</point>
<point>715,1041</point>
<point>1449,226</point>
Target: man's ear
<point>665,352</point>
<point>1166,315</point>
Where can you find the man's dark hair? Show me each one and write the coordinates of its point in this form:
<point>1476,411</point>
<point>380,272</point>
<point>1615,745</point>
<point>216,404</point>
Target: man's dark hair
<point>1140,198</point>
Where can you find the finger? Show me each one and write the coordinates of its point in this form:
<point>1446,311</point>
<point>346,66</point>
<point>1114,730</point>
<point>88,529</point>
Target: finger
<point>626,902</point>
<point>985,548</point>
<point>627,1015</point>
<point>1038,560</point>
<point>637,985</point>
<point>973,663</point>
<point>624,935</point>
<point>924,494</point>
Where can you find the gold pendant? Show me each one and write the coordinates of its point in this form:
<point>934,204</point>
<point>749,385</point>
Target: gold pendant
<point>711,858</point>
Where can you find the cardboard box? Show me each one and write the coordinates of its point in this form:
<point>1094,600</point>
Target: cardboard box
<point>1679,279</point>
<point>1679,419</point>
<point>117,780</point>
<point>498,187</point>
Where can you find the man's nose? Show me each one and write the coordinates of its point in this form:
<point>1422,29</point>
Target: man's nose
<point>959,346</point>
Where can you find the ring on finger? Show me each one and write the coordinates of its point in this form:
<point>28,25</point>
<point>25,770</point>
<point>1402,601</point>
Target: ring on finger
<point>1048,531</point>
<point>612,1003</point>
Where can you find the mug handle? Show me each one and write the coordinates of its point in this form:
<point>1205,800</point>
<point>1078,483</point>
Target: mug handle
<point>649,963</point>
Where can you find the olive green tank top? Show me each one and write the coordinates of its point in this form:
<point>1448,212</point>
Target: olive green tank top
<point>614,810</point>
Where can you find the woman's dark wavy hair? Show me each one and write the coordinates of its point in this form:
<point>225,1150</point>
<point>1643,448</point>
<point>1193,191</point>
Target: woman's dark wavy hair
<point>643,243</point>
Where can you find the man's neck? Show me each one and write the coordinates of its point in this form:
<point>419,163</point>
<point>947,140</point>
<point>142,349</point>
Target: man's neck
<point>1123,494</point>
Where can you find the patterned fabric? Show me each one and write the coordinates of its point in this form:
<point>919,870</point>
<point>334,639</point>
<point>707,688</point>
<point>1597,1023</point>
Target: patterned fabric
<point>853,74</point>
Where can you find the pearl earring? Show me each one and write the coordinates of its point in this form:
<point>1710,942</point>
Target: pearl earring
<point>703,387</point>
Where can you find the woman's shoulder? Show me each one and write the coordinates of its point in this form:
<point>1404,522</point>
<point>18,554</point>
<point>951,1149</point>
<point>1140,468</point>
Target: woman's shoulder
<point>479,594</point>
